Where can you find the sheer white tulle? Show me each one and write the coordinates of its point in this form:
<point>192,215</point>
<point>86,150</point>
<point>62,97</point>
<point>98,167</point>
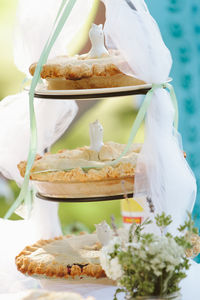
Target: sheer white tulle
<point>15,235</point>
<point>53,118</point>
<point>162,172</point>
<point>139,40</point>
<point>34,23</point>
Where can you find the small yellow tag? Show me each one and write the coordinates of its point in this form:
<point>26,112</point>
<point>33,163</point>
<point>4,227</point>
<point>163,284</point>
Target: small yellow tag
<point>131,205</point>
<point>132,210</point>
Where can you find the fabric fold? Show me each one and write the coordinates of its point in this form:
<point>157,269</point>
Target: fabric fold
<point>162,172</point>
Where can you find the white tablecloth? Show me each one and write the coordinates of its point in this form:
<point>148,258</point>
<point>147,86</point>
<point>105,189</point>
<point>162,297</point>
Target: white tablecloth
<point>14,236</point>
<point>190,287</point>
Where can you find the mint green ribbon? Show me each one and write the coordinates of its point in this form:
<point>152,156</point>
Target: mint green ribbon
<point>174,102</point>
<point>138,121</point>
<point>142,112</point>
<point>62,16</point>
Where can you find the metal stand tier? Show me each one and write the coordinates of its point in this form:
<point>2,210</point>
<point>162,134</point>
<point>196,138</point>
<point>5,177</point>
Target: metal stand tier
<point>92,96</point>
<point>81,200</point>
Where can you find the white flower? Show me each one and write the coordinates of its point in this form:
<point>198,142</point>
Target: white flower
<point>163,253</point>
<point>110,247</point>
<point>115,271</point>
<point>110,265</point>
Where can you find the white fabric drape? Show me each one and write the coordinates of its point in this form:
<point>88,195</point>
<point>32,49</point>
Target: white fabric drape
<point>162,173</point>
<point>16,235</point>
<point>53,118</point>
<point>34,23</point>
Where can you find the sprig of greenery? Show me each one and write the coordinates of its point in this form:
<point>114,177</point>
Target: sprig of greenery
<point>153,265</point>
<point>189,225</point>
<point>135,231</point>
<point>162,221</point>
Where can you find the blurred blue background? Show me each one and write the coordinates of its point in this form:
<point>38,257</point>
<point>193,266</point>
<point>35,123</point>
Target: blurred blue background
<point>179,22</point>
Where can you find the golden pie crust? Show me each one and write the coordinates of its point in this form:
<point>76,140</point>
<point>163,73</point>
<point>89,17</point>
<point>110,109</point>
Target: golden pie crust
<point>121,171</point>
<point>52,179</point>
<point>80,72</point>
<point>52,266</point>
<point>44,166</point>
<point>83,190</point>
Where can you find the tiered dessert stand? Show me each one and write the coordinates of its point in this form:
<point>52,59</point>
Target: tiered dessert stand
<point>98,50</point>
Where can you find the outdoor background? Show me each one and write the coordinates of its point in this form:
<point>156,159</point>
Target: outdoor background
<point>179,21</point>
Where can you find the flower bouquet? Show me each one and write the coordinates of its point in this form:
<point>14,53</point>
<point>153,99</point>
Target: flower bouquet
<point>148,265</point>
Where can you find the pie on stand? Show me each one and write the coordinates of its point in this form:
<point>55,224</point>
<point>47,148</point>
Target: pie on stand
<point>160,159</point>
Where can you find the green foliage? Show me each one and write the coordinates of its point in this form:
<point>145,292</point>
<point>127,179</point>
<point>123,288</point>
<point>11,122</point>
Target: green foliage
<point>153,265</point>
<point>137,229</point>
<point>162,221</point>
<point>189,225</point>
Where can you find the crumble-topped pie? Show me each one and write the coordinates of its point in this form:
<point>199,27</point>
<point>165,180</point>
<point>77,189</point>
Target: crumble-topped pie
<point>70,257</point>
<point>84,172</point>
<point>65,257</point>
<point>97,69</point>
